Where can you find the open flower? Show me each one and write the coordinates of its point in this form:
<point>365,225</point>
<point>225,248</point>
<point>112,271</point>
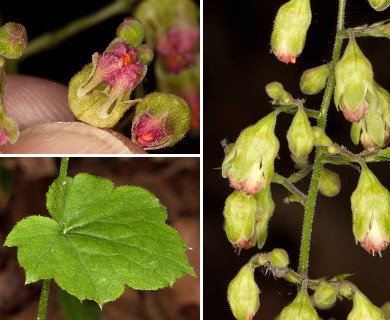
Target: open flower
<point>100,93</point>
<point>160,120</point>
<point>250,164</point>
<point>355,87</point>
<point>370,204</point>
<point>179,48</point>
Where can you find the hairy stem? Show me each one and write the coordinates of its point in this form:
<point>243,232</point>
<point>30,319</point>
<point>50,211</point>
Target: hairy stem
<point>43,299</point>
<point>318,164</point>
<point>51,39</point>
<point>57,208</point>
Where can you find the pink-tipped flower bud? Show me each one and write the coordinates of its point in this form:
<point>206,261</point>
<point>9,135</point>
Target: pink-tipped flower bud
<point>239,213</point>
<point>13,40</point>
<point>370,204</point>
<point>379,5</point>
<point>300,137</point>
<point>330,183</point>
<point>314,80</point>
<point>374,129</point>
<point>300,309</point>
<point>244,294</point>
<point>290,28</point>
<point>355,87</point>
<point>161,120</point>
<point>100,93</point>
<point>250,165</point>
<point>364,309</point>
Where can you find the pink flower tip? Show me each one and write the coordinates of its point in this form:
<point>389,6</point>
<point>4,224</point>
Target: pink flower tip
<point>149,131</point>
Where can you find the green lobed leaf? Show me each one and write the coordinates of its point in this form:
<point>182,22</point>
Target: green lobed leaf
<point>106,237</point>
<point>74,309</point>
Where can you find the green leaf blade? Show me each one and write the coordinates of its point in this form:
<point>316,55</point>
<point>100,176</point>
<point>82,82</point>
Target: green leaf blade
<point>106,237</point>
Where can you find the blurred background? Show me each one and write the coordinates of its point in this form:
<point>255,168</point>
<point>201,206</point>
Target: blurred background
<point>237,66</point>
<point>62,62</point>
<point>174,181</point>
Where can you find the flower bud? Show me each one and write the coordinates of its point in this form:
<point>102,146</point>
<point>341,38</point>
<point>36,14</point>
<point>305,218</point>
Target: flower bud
<point>373,130</point>
<point>370,204</point>
<point>179,48</point>
<point>132,30</point>
<point>325,296</point>
<point>13,40</point>
<point>379,5</point>
<point>314,80</point>
<point>161,120</point>
<point>250,165</point>
<point>99,94</point>
<point>278,258</point>
<point>330,183</point>
<point>158,16</point>
<point>290,28</point>
<point>386,310</point>
<point>300,137</point>
<point>320,138</point>
<point>264,211</point>
<point>364,309</point>
<point>300,309</point>
<point>185,84</point>
<point>239,213</point>
<point>145,54</point>
<point>355,88</point>
<point>243,294</point>
<point>276,91</point>
<point>346,290</point>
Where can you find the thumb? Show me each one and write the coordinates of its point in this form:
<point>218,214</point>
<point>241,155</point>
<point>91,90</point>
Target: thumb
<point>47,125</point>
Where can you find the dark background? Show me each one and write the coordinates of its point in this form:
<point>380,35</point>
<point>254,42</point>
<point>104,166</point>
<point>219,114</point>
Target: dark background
<point>237,66</point>
<point>64,61</point>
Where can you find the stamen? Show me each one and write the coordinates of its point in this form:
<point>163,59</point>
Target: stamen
<point>126,59</point>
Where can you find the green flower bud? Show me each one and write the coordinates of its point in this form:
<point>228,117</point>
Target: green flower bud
<point>262,259</point>
<point>145,54</point>
<point>300,309</point>
<point>355,88</point>
<point>250,165</point>
<point>276,91</point>
<point>278,258</point>
<point>161,120</point>
<point>325,296</point>
<point>243,294</point>
<point>132,30</point>
<point>13,40</point>
<point>290,28</point>
<point>346,290</point>
<point>265,209</point>
<point>330,183</point>
<point>314,80</point>
<point>379,5</point>
<point>370,204</point>
<point>300,136</point>
<point>239,213</point>
<point>320,138</point>
<point>364,309</point>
